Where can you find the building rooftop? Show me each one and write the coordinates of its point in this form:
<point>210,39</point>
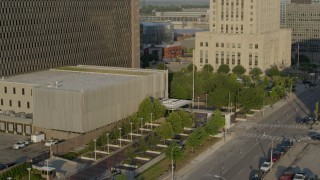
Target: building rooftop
<point>79,78</point>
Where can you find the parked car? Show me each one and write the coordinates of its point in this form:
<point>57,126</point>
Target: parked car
<point>18,145</point>
<point>287,176</point>
<point>26,142</point>
<point>276,156</point>
<point>256,175</point>
<point>312,177</point>
<point>266,166</point>
<point>281,150</point>
<point>51,142</point>
<point>315,137</point>
<point>3,166</point>
<point>287,143</point>
<point>300,176</point>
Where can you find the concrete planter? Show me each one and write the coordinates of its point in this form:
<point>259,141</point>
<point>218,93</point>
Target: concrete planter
<point>142,158</point>
<point>131,166</point>
<point>153,152</point>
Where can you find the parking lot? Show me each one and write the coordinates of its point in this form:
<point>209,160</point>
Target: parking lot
<point>9,155</point>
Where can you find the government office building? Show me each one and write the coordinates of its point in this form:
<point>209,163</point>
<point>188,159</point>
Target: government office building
<point>244,32</point>
<point>38,35</point>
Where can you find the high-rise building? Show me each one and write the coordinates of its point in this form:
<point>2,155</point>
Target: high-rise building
<point>304,19</point>
<point>244,32</point>
<point>283,7</point>
<point>37,35</point>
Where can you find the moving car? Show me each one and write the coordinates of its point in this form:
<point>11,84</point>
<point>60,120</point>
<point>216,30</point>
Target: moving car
<point>266,166</point>
<point>299,176</point>
<point>18,145</point>
<point>51,142</point>
<point>287,176</point>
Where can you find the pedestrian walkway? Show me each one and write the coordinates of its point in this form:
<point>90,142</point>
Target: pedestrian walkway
<point>262,136</point>
<point>301,126</point>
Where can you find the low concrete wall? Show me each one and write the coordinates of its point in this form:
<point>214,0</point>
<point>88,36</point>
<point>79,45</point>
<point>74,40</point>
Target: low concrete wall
<point>150,163</point>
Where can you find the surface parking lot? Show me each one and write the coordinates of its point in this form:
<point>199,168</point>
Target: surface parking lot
<point>9,155</point>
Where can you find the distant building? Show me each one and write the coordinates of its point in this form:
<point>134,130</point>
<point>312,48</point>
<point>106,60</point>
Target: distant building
<point>166,51</point>
<point>157,33</point>
<point>75,99</point>
<point>187,19</point>
<point>303,17</point>
<point>38,35</point>
<point>244,33</point>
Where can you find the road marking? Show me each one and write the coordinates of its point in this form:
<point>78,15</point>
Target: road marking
<point>241,171</point>
<point>283,126</point>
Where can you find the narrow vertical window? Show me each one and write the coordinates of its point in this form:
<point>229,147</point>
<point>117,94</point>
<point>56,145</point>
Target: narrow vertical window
<point>22,91</point>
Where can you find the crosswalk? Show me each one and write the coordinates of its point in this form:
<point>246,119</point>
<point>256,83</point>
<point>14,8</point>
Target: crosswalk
<point>262,136</point>
<point>298,126</point>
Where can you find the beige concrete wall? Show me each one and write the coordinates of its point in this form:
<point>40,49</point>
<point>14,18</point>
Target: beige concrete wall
<point>16,96</point>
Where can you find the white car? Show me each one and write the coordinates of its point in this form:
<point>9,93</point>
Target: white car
<point>18,145</point>
<point>26,142</point>
<point>51,142</point>
<point>266,166</point>
<point>299,176</point>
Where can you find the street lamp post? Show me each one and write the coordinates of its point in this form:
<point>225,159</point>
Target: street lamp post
<point>29,169</point>
<point>131,131</point>
<point>120,136</point>
<point>47,161</point>
<point>271,152</point>
<point>198,101</point>
<point>151,120</point>
<point>172,168</point>
<point>95,148</point>
<point>9,178</point>
<point>108,141</point>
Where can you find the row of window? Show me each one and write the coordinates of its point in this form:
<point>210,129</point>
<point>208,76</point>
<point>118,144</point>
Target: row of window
<point>14,91</point>
<point>19,104</point>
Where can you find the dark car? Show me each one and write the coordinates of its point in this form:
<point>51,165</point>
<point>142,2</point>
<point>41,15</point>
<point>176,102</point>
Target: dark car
<point>315,137</point>
<point>276,156</point>
<point>306,82</point>
<point>3,166</point>
<point>287,143</point>
<point>256,175</point>
<point>281,149</point>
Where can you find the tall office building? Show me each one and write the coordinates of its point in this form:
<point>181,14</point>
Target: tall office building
<point>244,32</point>
<point>37,35</point>
<point>283,7</point>
<point>303,18</point>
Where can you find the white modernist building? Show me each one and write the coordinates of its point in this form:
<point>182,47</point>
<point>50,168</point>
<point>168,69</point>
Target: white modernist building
<point>76,99</point>
<point>244,32</point>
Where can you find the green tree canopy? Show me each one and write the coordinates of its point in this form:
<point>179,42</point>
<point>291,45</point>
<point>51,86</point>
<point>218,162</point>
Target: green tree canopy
<point>146,107</point>
<point>159,109</point>
<point>251,97</point>
<point>190,67</point>
<point>176,122</point>
<point>316,111</point>
<point>162,66</point>
<point>274,71</point>
<point>165,131</point>
<point>187,118</point>
<point>207,68</point>
<point>130,153</point>
<point>224,68</point>
<point>255,72</point>
<point>239,70</point>
<point>181,86</point>
<point>219,97</point>
<point>174,152</point>
<point>196,138</point>
<point>215,123</point>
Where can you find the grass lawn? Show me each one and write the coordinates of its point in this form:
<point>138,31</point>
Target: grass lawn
<point>156,170</point>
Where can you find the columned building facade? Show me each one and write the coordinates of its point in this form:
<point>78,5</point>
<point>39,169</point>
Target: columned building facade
<point>37,35</point>
<point>244,32</point>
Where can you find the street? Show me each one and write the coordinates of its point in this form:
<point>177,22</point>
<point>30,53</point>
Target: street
<point>253,141</point>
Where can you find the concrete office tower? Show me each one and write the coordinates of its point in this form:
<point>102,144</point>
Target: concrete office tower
<point>37,35</point>
<point>304,19</point>
<point>283,7</point>
<point>245,32</point>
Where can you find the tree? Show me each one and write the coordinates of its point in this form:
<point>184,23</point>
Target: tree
<point>224,68</point>
<point>153,140</point>
<point>176,122</point>
<point>215,123</point>
<point>251,97</point>
<point>121,177</point>
<point>165,131</point>
<point>316,111</point>
<point>162,66</point>
<point>146,107</point>
<point>207,68</point>
<point>255,72</point>
<point>174,152</point>
<point>159,109</point>
<point>196,138</point>
<point>274,71</point>
<point>239,70</point>
<point>181,86</point>
<point>187,118</point>
<point>130,154</point>
<point>190,68</point>
<point>142,146</point>
<point>219,97</point>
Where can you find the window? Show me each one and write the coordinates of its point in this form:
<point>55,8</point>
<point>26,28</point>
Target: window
<point>207,44</point>
<point>222,44</point>
<point>1,102</point>
<point>201,44</point>
<point>5,89</point>
<point>256,46</point>
<point>250,59</point>
<point>10,102</point>
<point>217,44</point>
<point>28,105</point>
<point>19,103</point>
<point>22,91</point>
<point>14,90</point>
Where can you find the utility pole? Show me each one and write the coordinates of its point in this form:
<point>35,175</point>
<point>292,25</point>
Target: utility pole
<point>193,81</point>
